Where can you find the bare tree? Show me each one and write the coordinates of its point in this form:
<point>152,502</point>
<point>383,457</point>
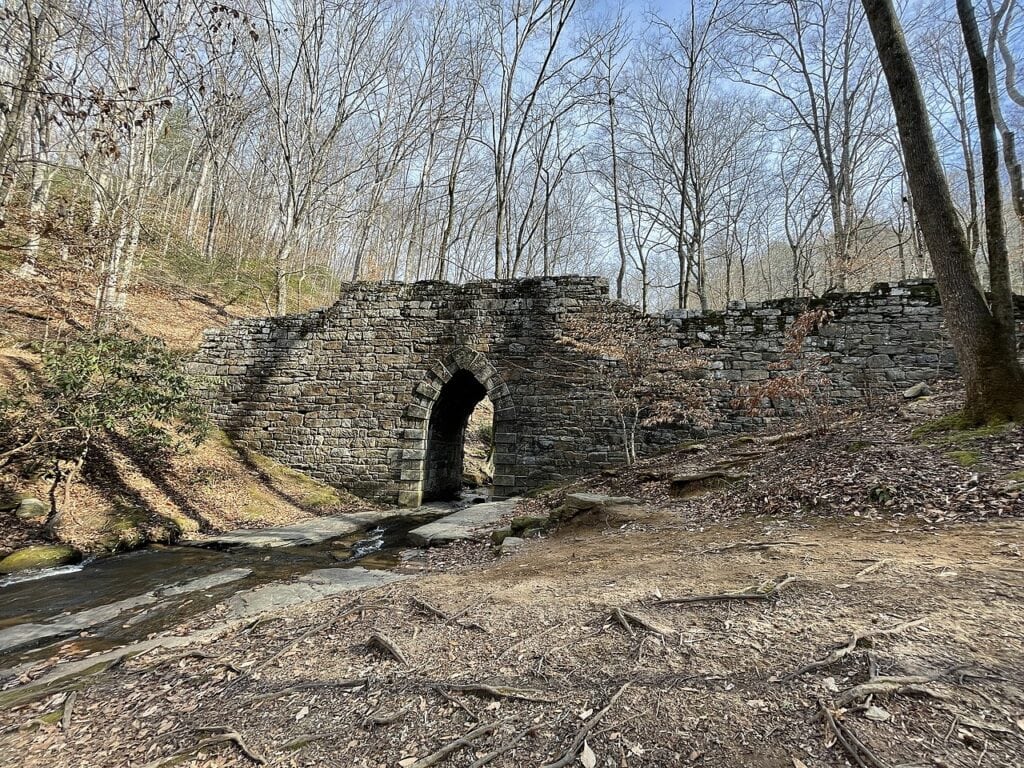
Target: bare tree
<point>984,342</point>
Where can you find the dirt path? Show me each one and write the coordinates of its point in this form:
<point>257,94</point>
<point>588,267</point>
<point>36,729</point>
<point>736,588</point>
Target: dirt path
<point>704,692</point>
<point>526,659</point>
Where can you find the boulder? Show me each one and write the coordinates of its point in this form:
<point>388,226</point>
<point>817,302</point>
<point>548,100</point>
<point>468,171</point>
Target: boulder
<point>584,502</point>
<point>614,510</point>
<point>698,483</point>
<point>43,556</point>
<point>32,509</point>
<point>499,535</point>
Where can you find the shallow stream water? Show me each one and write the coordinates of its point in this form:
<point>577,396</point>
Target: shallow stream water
<point>148,584</point>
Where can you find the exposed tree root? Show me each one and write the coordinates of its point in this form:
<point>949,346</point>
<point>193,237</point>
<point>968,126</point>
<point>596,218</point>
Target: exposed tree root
<point>569,756</point>
<point>225,735</point>
<point>354,682</point>
<point>493,691</point>
<point>385,644</point>
<point>454,746</point>
<point>756,593</point>
<point>626,619</point>
<point>507,747</point>
<point>888,684</point>
<point>844,650</point>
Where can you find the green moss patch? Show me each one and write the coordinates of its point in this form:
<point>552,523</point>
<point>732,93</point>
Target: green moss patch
<point>42,556</point>
<point>964,458</point>
<point>955,429</point>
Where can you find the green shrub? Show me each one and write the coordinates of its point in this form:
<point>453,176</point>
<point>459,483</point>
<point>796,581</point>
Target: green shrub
<point>99,389</point>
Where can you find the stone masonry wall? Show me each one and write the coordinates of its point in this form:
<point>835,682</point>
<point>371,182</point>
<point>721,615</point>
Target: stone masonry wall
<point>346,393</point>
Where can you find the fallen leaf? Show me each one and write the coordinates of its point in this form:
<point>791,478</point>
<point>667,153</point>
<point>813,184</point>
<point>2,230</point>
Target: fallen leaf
<point>405,762</point>
<point>798,763</point>
<point>301,713</point>
<point>587,756</point>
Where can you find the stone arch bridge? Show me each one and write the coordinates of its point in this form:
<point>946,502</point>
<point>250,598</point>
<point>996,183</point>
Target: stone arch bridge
<point>373,393</point>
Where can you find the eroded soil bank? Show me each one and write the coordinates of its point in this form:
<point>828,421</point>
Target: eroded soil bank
<point>902,563</point>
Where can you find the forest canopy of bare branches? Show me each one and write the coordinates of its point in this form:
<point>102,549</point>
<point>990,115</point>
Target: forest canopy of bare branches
<point>693,153</point>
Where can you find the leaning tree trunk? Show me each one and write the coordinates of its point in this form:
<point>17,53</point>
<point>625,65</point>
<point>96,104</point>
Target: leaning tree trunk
<point>984,346</point>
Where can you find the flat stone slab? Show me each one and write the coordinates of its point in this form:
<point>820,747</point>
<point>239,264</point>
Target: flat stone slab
<point>313,530</point>
<point>72,623</point>
<point>466,524</point>
<point>315,585</point>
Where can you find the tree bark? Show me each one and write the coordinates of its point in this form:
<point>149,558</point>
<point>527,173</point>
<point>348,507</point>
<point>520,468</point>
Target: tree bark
<point>984,346</point>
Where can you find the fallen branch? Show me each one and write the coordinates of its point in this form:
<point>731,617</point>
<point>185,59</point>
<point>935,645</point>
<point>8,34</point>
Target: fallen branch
<point>859,754</point>
<point>69,705</point>
<point>756,593</point>
<point>227,735</point>
<point>507,747</point>
<point>569,756</point>
<point>384,643</point>
<point>454,746</point>
<point>844,650</point>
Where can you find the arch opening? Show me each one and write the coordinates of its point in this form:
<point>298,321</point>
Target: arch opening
<point>445,455</point>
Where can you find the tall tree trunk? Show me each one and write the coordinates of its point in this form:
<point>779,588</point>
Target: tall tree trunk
<point>984,345</point>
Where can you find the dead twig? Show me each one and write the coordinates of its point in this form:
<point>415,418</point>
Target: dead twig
<point>569,756</point>
<point>506,747</point>
<point>384,643</point>
<point>854,640</point>
<point>859,754</point>
<point>872,568</point>
<point>454,746</point>
<point>757,593</point>
<point>432,610</point>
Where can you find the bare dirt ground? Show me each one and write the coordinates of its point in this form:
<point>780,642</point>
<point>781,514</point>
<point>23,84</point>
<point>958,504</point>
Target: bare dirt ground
<point>895,636</point>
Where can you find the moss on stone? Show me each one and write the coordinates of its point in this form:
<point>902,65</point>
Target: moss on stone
<point>41,556</point>
<point>526,523</point>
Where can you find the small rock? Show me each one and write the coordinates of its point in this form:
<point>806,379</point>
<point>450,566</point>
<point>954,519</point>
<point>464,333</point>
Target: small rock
<point>32,509</point>
<point>511,544</point>
<point>498,536</point>
<point>877,714</point>
<point>920,389</point>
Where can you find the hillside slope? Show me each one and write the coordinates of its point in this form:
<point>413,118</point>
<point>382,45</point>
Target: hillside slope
<point>122,502</point>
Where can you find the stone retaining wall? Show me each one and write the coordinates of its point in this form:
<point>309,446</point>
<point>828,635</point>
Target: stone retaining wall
<point>347,393</point>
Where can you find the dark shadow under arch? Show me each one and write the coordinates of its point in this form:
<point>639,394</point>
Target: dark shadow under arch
<point>434,427</point>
